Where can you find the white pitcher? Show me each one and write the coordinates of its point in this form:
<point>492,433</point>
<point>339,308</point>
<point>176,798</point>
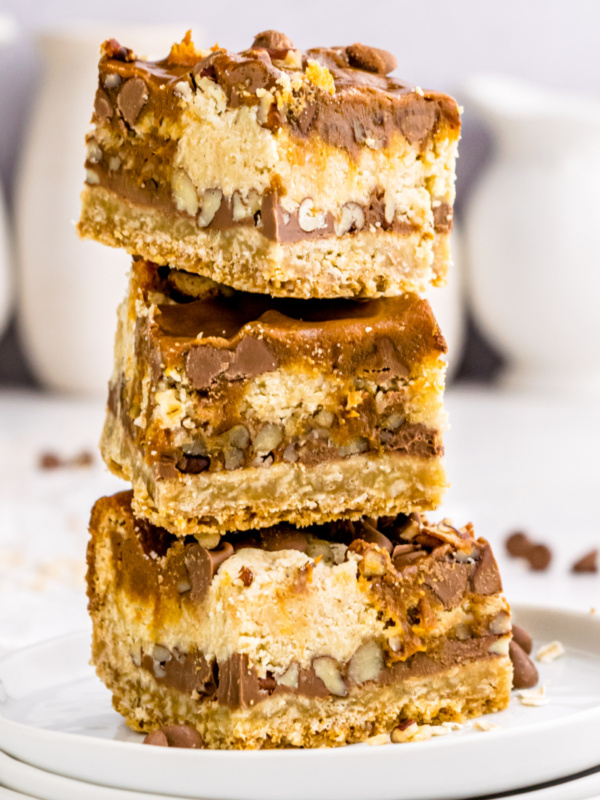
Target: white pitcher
<point>532,234</point>
<point>8,32</point>
<point>69,289</point>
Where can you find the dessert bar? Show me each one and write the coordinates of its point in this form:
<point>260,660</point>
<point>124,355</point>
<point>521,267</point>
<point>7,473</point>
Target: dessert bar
<point>304,174</point>
<point>286,637</point>
<point>229,410</point>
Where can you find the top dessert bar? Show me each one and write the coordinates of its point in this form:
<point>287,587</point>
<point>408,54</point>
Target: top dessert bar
<point>302,174</point>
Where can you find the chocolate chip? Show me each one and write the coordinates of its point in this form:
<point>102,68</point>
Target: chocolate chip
<point>449,583</point>
<point>587,563</point>
<point>202,565</point>
<point>272,40</point>
<point>419,120</point>
<point>539,557</point>
<point>203,364</point>
<point>368,533</point>
<point>522,638</point>
<point>239,684</point>
<point>158,738</point>
<point>518,544</point>
<point>525,674</point>
<point>185,672</point>
<point>50,461</point>
<point>131,99</point>
<point>175,736</point>
<point>485,579</point>
<point>54,461</point>
<point>371,59</point>
<point>193,465</point>
<point>102,106</point>
<point>252,357</point>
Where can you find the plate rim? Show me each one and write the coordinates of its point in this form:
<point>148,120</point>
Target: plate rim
<point>62,736</point>
<point>43,748</point>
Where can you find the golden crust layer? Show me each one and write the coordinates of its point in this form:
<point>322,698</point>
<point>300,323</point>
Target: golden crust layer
<point>211,503</point>
<point>358,266</point>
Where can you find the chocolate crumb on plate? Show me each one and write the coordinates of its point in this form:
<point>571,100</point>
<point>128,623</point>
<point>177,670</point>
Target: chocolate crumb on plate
<point>525,674</point>
<point>175,736</point>
<point>522,638</point>
<point>587,563</point>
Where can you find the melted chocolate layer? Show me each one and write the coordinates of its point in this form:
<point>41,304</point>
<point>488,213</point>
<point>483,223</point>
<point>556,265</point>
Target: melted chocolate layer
<point>236,684</point>
<point>244,335</point>
<point>366,104</point>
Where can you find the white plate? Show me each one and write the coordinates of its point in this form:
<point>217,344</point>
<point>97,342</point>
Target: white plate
<point>42,785</point>
<point>57,716</point>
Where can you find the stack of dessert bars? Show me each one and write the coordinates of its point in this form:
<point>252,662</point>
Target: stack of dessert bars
<point>276,404</point>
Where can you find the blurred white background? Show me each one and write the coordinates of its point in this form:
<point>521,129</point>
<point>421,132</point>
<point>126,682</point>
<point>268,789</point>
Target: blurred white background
<point>439,44</point>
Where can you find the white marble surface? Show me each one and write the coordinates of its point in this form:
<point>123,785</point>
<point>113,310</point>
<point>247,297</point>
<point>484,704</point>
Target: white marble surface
<point>514,462</point>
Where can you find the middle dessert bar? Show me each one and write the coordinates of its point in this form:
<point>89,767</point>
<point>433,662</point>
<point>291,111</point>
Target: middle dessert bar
<point>229,410</point>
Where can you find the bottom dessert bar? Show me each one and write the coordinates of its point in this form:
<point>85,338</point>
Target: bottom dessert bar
<point>296,638</point>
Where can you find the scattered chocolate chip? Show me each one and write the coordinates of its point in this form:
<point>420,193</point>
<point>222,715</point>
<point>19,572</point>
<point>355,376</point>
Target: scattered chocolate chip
<point>522,638</point>
<point>202,565</point>
<point>272,40</point>
<point>131,99</point>
<point>158,738</point>
<point>83,459</point>
<point>371,59</point>
<point>587,563</point>
<point>539,557</point>
<point>518,544</point>
<point>175,736</point>
<point>246,576</point>
<point>53,461</point>
<point>50,461</point>
<point>525,674</point>
<point>402,726</point>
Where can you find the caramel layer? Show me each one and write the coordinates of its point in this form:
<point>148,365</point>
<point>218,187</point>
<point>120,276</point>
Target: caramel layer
<point>270,218</point>
<point>244,335</point>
